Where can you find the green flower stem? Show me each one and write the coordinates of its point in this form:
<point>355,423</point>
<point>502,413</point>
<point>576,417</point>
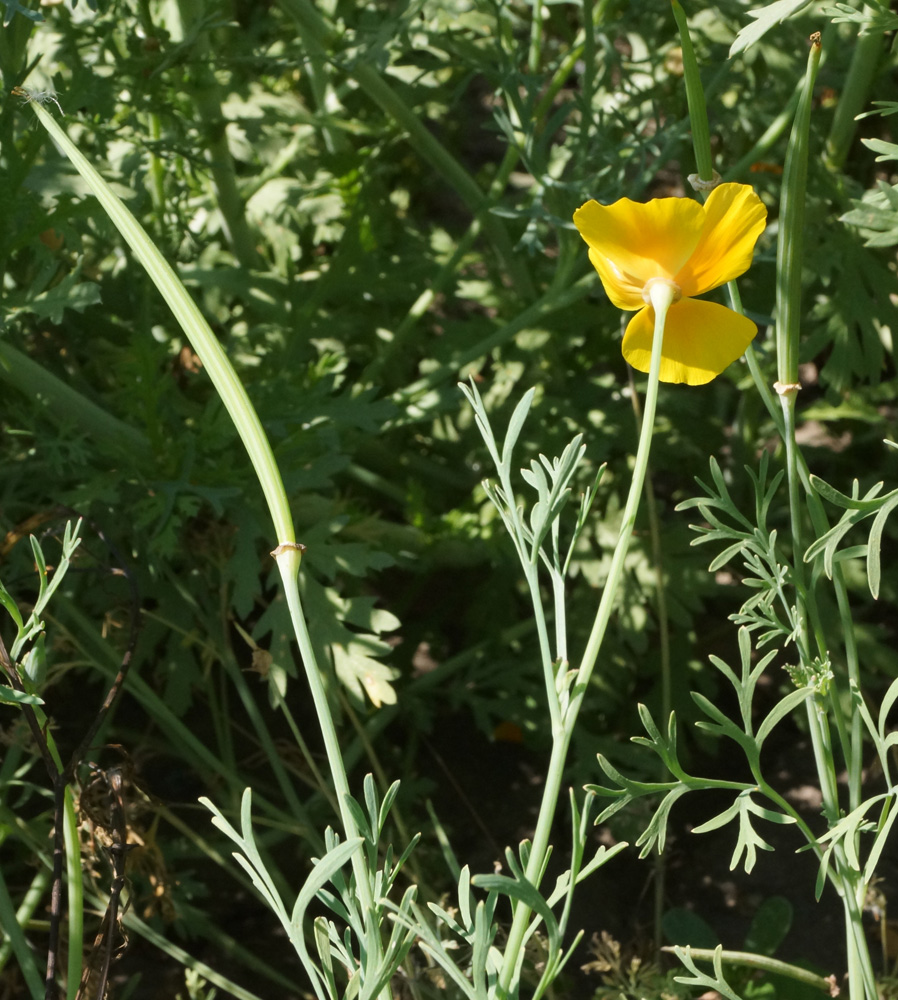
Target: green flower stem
<point>662,296</point>
<point>651,509</point>
<point>695,98</point>
<point>75,885</point>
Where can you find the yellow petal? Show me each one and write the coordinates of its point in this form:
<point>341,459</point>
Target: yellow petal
<point>701,339</point>
<point>629,242</point>
<point>734,219</point>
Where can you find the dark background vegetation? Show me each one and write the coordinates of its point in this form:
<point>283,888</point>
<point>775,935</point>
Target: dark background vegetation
<point>307,216</point>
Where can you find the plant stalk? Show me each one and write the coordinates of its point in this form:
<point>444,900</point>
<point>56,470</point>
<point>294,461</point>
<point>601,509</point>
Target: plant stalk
<point>662,296</point>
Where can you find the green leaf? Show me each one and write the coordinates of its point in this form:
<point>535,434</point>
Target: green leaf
<point>780,711</point>
<point>876,215</point>
<point>684,927</point>
<point>357,667</point>
<point>11,696</point>
<point>13,7</point>
<point>70,293</point>
<point>885,707</point>
<point>521,890</point>
<point>515,425</point>
<point>723,725</point>
<point>11,607</point>
<point>748,841</point>
<point>482,419</point>
<point>322,872</point>
<point>769,926</point>
<point>355,655</point>
<point>34,662</point>
<point>849,827</point>
<point>699,978</point>
<point>831,494</point>
<point>879,842</point>
<point>880,19</point>
<point>656,831</point>
<point>874,543</point>
<point>764,19</point>
<point>887,150</point>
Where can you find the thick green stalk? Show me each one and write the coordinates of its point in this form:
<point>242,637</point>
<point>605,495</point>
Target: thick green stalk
<point>788,298</point>
<point>788,304</point>
<point>788,327</point>
<point>288,553</point>
<point>852,748</point>
<point>662,296</point>
<point>75,885</point>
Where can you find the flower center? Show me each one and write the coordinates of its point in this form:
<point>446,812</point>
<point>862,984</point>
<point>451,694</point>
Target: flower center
<point>675,292</point>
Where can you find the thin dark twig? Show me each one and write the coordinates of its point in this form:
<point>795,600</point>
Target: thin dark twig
<point>118,849</point>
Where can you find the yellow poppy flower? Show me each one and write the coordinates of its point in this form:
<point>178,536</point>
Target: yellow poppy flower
<point>696,248</point>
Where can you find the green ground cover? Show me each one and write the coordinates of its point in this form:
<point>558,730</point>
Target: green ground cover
<point>370,203</point>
